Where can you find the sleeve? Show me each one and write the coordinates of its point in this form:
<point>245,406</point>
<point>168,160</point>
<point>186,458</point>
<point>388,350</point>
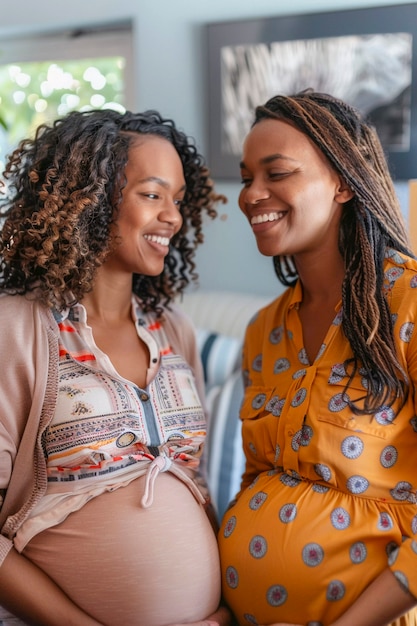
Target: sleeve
<point>16,391</point>
<point>403,560</point>
<point>16,382</point>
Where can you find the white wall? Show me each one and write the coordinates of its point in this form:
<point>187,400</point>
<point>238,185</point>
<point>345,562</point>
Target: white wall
<point>171,76</point>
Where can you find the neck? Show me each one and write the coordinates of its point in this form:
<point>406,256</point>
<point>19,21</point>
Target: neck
<point>321,277</point>
<point>110,300</point>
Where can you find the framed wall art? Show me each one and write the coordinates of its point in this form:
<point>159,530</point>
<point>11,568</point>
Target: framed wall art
<point>367,57</point>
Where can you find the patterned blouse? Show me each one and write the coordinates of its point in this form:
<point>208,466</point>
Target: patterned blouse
<point>107,431</point>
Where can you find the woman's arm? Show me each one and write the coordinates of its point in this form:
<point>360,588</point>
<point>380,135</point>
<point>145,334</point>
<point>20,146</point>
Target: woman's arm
<point>27,592</point>
<point>383,601</point>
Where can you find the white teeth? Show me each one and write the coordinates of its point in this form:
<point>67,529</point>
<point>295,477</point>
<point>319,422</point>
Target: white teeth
<point>266,217</point>
<point>164,241</point>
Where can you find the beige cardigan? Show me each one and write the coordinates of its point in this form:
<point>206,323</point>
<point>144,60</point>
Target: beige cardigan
<point>28,394</point>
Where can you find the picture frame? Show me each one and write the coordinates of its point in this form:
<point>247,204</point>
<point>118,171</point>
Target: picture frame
<point>367,57</point>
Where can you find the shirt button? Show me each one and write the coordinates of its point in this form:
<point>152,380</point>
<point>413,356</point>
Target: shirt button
<point>144,397</point>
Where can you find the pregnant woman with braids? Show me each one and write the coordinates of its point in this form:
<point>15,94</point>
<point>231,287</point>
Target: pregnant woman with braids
<point>324,529</point>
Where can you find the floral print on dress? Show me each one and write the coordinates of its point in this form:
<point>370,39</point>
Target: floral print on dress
<point>329,491</point>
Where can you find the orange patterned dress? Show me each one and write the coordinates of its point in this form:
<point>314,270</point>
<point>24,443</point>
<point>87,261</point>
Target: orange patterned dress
<point>328,498</point>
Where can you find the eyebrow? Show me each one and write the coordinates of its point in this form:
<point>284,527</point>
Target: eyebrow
<point>159,181</point>
<point>269,159</point>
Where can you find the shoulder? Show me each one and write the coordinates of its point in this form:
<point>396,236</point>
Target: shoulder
<point>177,323</point>
<point>398,259</point>
<point>272,314</point>
<point>17,308</point>
<point>400,286</point>
<point>181,333</point>
<point>19,313</point>
<point>400,272</point>
<point>28,342</point>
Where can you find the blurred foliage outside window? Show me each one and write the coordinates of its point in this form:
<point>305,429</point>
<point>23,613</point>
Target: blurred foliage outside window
<point>32,93</point>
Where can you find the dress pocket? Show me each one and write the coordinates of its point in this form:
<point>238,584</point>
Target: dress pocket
<point>361,424</point>
<point>338,413</point>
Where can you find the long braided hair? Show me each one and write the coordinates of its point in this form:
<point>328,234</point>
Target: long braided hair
<point>371,223</point>
<point>62,190</point>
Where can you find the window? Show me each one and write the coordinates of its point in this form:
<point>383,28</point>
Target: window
<point>42,78</point>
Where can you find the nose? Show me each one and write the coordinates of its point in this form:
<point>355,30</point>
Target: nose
<point>171,214</point>
<point>253,194</point>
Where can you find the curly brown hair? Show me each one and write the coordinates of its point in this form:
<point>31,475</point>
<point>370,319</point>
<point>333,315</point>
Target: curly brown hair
<point>372,223</point>
<point>61,195</point>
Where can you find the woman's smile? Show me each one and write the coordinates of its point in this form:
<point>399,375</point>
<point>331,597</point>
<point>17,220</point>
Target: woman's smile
<point>265,220</point>
<point>291,195</point>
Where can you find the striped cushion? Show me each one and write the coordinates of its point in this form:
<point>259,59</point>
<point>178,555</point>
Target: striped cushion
<point>220,354</point>
<point>225,460</point>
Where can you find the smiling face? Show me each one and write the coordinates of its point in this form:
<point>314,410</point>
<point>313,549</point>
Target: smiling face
<point>149,213</point>
<point>291,196</point>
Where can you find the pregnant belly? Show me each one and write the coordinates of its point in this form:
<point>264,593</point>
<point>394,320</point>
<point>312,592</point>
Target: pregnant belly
<point>300,554</point>
<point>127,565</point>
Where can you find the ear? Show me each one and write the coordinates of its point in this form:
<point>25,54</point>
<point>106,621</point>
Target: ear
<point>343,192</point>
